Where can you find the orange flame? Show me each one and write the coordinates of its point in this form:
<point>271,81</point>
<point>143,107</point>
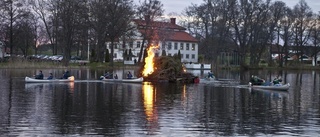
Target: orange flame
<point>149,64</point>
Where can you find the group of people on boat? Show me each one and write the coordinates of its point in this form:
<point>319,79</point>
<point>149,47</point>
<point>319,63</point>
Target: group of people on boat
<point>65,75</point>
<point>255,80</point>
<point>109,75</point>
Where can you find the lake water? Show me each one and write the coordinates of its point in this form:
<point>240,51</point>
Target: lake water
<point>89,107</point>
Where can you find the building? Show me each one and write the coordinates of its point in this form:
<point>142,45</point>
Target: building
<point>170,38</point>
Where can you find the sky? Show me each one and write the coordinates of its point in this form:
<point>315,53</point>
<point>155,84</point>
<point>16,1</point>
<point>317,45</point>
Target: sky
<point>178,6</point>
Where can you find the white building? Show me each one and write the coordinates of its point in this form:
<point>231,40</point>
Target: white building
<point>169,36</point>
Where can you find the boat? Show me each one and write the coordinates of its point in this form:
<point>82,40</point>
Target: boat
<point>278,87</point>
<point>133,80</point>
<point>30,80</point>
<point>215,80</point>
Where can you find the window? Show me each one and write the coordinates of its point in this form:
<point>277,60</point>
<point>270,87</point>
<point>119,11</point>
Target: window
<point>169,46</point>
<point>187,56</point>
<point>193,46</point>
<point>181,46</point>
<point>131,44</point>
<point>176,46</point>
<point>181,56</point>
<point>187,46</point>
<point>193,56</point>
<point>115,55</point>
<point>163,47</point>
<point>138,44</point>
<point>169,54</point>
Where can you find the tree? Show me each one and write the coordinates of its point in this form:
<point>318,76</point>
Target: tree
<point>71,16</point>
<point>149,10</point>
<point>315,36</point>
<point>11,13</point>
<point>107,56</point>
<point>110,19</point>
<point>164,53</point>
<point>301,27</point>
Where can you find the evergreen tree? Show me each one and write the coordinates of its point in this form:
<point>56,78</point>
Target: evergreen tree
<point>164,53</point>
<point>107,56</point>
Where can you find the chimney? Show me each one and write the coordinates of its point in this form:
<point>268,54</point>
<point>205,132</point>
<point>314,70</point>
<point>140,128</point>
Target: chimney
<point>173,21</point>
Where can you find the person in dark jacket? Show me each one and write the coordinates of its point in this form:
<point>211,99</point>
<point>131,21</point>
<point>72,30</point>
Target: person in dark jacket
<point>256,80</point>
<point>50,77</point>
<point>129,75</point>
<point>66,74</point>
<point>40,75</point>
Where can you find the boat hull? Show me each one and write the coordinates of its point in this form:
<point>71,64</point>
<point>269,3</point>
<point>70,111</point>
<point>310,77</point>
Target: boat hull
<point>134,80</point>
<point>274,87</point>
<point>32,80</point>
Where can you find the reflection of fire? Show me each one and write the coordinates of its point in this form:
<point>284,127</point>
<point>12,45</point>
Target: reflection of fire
<point>149,64</point>
<point>149,99</point>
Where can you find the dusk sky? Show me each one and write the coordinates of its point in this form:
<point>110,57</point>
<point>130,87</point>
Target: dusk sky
<point>178,6</point>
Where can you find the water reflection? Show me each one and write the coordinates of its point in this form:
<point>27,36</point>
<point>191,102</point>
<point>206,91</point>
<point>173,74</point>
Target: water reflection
<point>95,108</point>
<point>149,100</point>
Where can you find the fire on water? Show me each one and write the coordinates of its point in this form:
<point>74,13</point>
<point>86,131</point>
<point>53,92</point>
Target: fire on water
<point>149,62</point>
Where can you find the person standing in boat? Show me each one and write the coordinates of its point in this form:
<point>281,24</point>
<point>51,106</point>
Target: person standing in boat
<point>50,77</point>
<point>40,75</point>
<point>129,75</point>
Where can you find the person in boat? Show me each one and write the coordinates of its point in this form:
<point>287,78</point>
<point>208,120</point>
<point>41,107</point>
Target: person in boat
<point>50,77</point>
<point>277,80</point>
<point>210,74</point>
<point>255,80</point>
<point>40,75</point>
<point>129,75</point>
<point>106,75</point>
<point>116,76</point>
<point>66,75</point>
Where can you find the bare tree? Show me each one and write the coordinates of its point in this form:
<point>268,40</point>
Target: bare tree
<point>47,13</point>
<point>315,36</point>
<point>285,31</point>
<point>110,20</point>
<point>12,11</point>
<point>278,12</point>
<point>149,10</point>
<point>70,16</point>
<point>301,27</point>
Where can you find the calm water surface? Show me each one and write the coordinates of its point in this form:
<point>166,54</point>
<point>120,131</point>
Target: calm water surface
<point>91,107</point>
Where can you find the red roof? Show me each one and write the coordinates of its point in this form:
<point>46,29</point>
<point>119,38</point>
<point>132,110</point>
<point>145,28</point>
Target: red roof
<point>159,24</point>
<point>164,30</point>
<point>182,36</point>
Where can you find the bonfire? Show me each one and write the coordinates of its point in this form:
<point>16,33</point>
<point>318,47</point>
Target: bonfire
<point>164,68</point>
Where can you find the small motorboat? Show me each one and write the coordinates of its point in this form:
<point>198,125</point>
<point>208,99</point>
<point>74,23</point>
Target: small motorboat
<point>30,80</point>
<point>278,87</point>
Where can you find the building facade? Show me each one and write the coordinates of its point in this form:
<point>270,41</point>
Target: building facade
<point>168,36</point>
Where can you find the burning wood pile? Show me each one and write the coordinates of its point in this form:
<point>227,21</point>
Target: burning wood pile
<point>165,68</point>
